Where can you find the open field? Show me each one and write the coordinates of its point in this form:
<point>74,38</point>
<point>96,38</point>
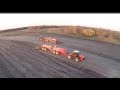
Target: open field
<point>19,59</point>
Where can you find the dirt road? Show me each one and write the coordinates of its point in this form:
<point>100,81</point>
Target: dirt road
<point>20,59</point>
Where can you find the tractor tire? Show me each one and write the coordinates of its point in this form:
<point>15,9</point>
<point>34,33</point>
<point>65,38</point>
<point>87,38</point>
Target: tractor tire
<point>77,59</point>
<point>57,53</point>
<point>42,48</point>
<point>54,52</point>
<point>45,49</point>
<point>69,57</point>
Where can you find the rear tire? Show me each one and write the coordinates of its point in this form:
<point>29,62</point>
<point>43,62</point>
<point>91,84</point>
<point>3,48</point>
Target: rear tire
<point>57,53</point>
<point>54,52</point>
<point>42,48</point>
<point>45,49</point>
<point>69,57</point>
<point>77,59</point>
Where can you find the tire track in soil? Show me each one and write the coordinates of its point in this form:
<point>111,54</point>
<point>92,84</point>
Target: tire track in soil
<point>25,56</point>
<point>55,68</point>
<point>22,50</point>
<point>22,65</point>
<point>71,65</point>
<point>9,67</point>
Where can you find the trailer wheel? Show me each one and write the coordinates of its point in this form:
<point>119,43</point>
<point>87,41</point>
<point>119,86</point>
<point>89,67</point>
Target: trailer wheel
<point>57,53</point>
<point>42,48</point>
<point>77,59</point>
<point>45,49</point>
<point>69,57</point>
<point>54,52</point>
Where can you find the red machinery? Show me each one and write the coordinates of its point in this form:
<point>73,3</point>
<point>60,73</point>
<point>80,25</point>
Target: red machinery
<point>54,49</point>
<point>75,55</point>
<point>48,39</point>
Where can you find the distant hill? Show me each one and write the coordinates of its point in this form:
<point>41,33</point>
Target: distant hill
<point>14,29</point>
<point>93,33</point>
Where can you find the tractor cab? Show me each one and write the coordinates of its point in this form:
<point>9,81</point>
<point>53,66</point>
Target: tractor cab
<point>76,53</point>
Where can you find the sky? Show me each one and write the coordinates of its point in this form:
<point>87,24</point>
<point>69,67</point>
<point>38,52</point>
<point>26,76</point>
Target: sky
<point>16,20</point>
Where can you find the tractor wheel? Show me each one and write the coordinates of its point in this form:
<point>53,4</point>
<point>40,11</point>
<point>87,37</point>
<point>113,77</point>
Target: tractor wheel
<point>77,59</point>
<point>42,48</point>
<point>69,57</point>
<point>57,53</point>
<point>45,49</point>
<point>54,52</point>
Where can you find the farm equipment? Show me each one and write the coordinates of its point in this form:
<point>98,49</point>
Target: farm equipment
<point>75,55</point>
<point>48,39</point>
<point>54,49</point>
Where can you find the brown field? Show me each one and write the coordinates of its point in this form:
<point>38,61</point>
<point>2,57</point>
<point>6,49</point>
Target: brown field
<point>20,59</point>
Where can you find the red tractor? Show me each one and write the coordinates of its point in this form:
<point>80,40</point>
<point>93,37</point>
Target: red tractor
<point>76,56</point>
